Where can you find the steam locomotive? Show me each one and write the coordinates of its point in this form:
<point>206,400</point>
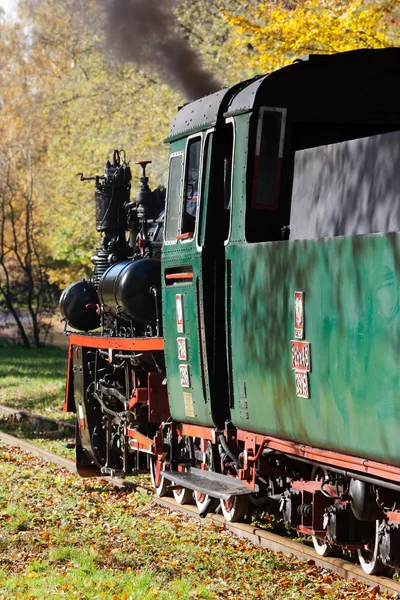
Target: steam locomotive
<point>256,363</point>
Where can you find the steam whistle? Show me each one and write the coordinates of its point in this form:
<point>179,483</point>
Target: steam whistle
<point>144,194</point>
<point>143,164</point>
<point>144,198</point>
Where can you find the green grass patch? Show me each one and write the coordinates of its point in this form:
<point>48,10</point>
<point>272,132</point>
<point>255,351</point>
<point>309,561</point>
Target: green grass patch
<point>53,440</point>
<point>33,380</point>
<point>61,536</point>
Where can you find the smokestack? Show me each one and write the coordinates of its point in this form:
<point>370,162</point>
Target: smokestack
<point>146,32</point>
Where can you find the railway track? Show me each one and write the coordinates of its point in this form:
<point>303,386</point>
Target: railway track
<point>255,535</point>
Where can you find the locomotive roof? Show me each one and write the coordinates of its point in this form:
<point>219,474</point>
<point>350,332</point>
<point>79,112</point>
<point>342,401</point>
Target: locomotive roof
<point>345,83</point>
<point>200,114</point>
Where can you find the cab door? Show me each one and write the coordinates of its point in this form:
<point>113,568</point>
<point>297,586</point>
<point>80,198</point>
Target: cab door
<point>183,272</point>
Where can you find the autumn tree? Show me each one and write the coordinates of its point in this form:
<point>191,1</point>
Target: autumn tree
<point>89,105</point>
<point>25,290</point>
<point>206,25</point>
<point>83,103</point>
<point>65,94</point>
<point>275,33</point>
<point>64,91</point>
<point>24,282</point>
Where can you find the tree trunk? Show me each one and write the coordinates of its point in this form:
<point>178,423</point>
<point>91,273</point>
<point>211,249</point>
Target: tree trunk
<point>20,326</point>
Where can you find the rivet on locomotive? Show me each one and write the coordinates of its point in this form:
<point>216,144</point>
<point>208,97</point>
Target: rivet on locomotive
<point>245,349</point>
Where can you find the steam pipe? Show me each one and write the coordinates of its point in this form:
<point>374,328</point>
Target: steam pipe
<point>252,459</point>
<point>228,451</point>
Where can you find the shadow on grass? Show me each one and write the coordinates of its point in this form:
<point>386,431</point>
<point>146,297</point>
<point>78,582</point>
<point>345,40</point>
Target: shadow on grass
<point>33,379</point>
<point>29,432</point>
<point>53,440</point>
<point>47,362</point>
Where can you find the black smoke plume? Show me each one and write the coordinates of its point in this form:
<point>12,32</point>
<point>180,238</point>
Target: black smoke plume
<point>146,32</point>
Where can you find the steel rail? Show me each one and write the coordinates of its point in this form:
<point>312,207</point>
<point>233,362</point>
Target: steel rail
<point>255,535</point>
<point>24,415</point>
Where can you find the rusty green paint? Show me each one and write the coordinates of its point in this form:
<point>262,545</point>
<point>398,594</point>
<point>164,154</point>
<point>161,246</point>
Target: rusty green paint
<point>352,304</point>
<point>352,312</point>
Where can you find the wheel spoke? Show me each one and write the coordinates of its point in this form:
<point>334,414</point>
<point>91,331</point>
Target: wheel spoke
<point>204,501</point>
<point>183,495</point>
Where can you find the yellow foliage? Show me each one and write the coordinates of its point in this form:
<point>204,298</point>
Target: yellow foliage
<point>276,33</point>
<point>67,105</point>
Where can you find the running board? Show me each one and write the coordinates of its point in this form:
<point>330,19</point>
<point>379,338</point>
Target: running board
<point>208,482</point>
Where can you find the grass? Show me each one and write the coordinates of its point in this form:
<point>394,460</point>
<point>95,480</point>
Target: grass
<point>61,536</point>
<point>53,440</point>
<point>56,441</point>
<point>33,380</point>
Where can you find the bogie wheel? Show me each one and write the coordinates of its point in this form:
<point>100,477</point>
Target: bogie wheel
<point>183,495</point>
<point>235,509</point>
<point>370,559</point>
<point>159,484</point>
<point>321,547</point>
<point>204,501</point>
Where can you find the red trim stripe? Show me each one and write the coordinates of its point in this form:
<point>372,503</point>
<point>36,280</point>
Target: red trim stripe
<point>92,341</point>
<point>179,276</point>
<point>185,236</point>
<point>328,457</point>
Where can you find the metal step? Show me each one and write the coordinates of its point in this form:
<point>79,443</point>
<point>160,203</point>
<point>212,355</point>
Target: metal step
<point>208,482</point>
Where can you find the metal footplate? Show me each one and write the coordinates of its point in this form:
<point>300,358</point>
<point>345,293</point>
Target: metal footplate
<point>208,482</point>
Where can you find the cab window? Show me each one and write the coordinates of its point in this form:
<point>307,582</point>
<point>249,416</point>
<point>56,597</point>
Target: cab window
<point>268,156</point>
<point>174,196</point>
<point>264,214</point>
<point>190,201</point>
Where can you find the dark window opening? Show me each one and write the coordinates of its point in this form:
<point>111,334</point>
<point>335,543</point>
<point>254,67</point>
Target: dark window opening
<point>267,161</point>
<point>227,166</point>
<point>217,186</point>
<point>191,199</point>
<point>310,135</point>
<point>267,211</point>
<point>205,187</point>
<point>174,196</point>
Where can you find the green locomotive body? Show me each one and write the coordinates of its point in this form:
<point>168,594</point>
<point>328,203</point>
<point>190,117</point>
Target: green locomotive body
<point>297,133</point>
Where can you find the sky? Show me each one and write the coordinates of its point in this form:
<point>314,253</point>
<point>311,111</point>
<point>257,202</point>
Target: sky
<point>8,5</point>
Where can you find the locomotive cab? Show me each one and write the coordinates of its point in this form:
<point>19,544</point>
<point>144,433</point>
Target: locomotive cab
<point>197,219</point>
